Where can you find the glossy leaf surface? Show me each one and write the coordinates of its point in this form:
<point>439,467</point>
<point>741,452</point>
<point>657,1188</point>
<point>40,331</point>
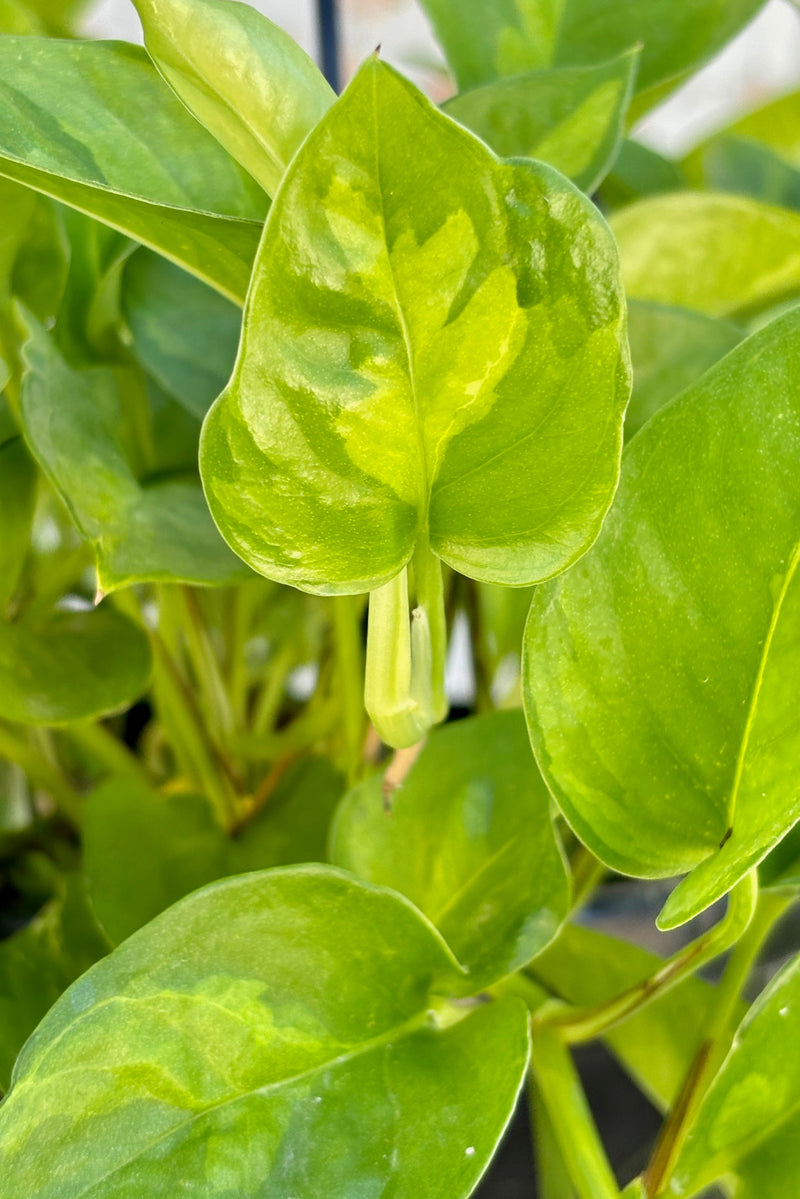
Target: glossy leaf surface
<point>158,529</point>
<point>93,125</point>
<point>427,327</point>
<point>143,851</point>
<point>659,674</point>
<point>38,963</point>
<point>243,77</point>
<point>184,334</point>
<point>469,840</point>
<point>749,1122</point>
<point>670,349</point>
<point>572,117</point>
<point>733,254</point>
<point>270,1034</point>
<point>484,41</point>
<point>62,666</point>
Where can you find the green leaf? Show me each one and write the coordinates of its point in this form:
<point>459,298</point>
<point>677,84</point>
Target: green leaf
<point>18,479</point>
<point>659,673</point>
<point>244,78</point>
<point>469,840</point>
<point>153,529</point>
<point>38,963</point>
<point>670,349</point>
<point>60,666</point>
<point>749,1122</point>
<point>184,334</point>
<point>638,172</point>
<point>425,332</point>
<point>733,254</point>
<point>143,851</point>
<point>486,41</point>
<point>16,17</point>
<point>93,125</point>
<point>572,117</point>
<point>656,1045</point>
<point>271,1034</point>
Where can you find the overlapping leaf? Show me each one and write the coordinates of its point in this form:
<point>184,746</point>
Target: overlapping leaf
<point>270,1034</point>
<point>433,338</point>
<point>157,529</point>
<point>572,117</point>
<point>469,840</point>
<point>93,125</point>
<point>660,673</point>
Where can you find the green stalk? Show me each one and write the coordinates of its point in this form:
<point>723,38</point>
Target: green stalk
<point>552,1175</point>
<point>585,1024</point>
<point>350,672</point>
<point>571,1120</point>
<point>719,1037</point>
<point>213,690</point>
<point>42,773</point>
<point>100,742</point>
<point>268,703</point>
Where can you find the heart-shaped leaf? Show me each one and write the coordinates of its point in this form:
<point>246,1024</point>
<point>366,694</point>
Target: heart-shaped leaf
<point>486,41</point>
<point>660,674</point>
<point>75,423</point>
<point>62,666</point>
<point>469,840</point>
<point>244,78</point>
<point>733,254</point>
<point>143,851</point>
<point>749,1122</point>
<point>184,334</point>
<point>670,349</point>
<point>571,117</point>
<point>272,1034</point>
<point>93,125</point>
<point>433,344</point>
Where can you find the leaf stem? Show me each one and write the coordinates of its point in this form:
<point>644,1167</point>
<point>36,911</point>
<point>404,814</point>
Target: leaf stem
<point>584,1024</point>
<point>350,671</point>
<point>717,1042</point>
<point>571,1120</point>
<point>205,667</point>
<point>42,773</point>
<point>98,740</point>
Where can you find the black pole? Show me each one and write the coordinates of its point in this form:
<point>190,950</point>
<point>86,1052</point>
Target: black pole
<point>328,24</point>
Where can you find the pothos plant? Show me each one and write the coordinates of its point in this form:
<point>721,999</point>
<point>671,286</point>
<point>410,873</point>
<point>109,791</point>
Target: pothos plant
<point>405,331</point>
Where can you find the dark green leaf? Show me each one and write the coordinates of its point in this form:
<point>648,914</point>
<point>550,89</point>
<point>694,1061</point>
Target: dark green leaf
<point>486,41</point>
<point>428,328</point>
<point>670,349</point>
<point>39,963</point>
<point>244,78</point>
<point>733,254</point>
<point>572,117</point>
<point>469,840</point>
<point>93,125</point>
<point>271,1034</point>
<point>749,1123</point>
<point>155,529</point>
<point>143,851</point>
<point>639,172</point>
<point>184,334</point>
<point>62,666</point>
<point>659,673</point>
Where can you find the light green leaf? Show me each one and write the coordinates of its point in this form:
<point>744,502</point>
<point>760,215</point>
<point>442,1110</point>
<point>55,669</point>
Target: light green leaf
<point>16,17</point>
<point>749,1122</point>
<point>244,78</point>
<point>184,334</point>
<point>733,254</point>
<point>572,117</point>
<point>143,851</point>
<point>38,963</point>
<point>18,478</point>
<point>155,529</point>
<point>93,125</point>
<point>271,1034</point>
<point>469,840</point>
<point>62,666</point>
<point>660,673</point>
<point>656,1045</point>
<point>486,41</point>
<point>670,349</point>
<point>424,331</point>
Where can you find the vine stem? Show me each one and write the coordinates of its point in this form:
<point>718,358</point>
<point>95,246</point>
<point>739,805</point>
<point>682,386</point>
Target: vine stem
<point>719,1037</point>
<point>584,1024</point>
